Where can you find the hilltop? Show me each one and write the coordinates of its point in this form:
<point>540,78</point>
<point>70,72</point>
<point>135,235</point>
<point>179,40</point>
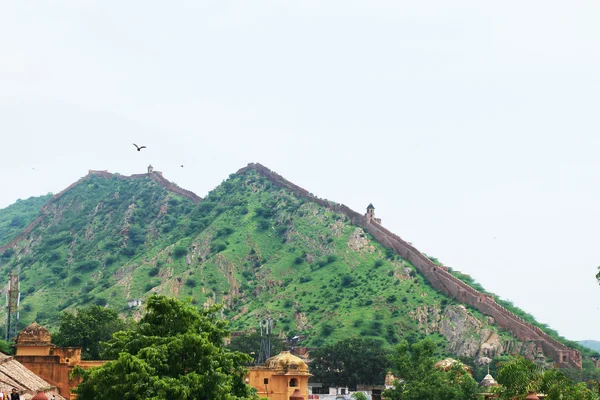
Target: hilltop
<point>263,247</point>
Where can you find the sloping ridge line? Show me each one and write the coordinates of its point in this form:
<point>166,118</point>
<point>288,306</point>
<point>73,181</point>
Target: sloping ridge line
<point>156,176</point>
<point>438,276</point>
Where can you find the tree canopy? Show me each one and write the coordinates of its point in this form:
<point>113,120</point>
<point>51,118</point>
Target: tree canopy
<point>87,328</point>
<point>350,362</point>
<point>174,352</point>
<point>419,378</point>
<point>250,344</point>
<point>519,376</point>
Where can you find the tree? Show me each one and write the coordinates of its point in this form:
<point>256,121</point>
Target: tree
<point>87,328</point>
<point>174,352</point>
<point>250,344</point>
<point>419,378</point>
<point>519,376</point>
<point>350,362</point>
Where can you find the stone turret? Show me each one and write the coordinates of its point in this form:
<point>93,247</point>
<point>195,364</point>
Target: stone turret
<point>371,214</point>
<point>150,169</point>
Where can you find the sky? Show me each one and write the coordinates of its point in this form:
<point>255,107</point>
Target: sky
<point>473,127</point>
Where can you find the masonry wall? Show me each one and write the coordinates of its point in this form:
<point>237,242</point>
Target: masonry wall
<point>49,369</point>
<point>439,277</point>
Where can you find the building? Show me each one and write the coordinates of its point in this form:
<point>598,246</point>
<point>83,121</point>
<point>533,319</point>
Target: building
<point>51,363</point>
<point>371,214</point>
<point>14,375</point>
<point>281,377</point>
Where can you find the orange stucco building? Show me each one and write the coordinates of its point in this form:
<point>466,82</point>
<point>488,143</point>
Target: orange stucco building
<point>281,377</point>
<point>53,364</point>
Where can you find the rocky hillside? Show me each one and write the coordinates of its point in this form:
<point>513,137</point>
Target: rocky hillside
<point>256,243</point>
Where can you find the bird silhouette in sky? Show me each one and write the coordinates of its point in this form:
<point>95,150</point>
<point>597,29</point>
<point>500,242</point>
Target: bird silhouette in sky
<point>182,166</point>
<point>139,147</point>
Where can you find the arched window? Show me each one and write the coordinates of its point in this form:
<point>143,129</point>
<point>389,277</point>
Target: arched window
<point>293,382</point>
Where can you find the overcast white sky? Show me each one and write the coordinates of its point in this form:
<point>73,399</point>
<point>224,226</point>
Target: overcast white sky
<point>473,127</point>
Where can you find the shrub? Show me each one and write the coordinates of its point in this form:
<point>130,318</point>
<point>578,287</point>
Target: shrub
<point>217,247</point>
<point>298,260</point>
<point>110,260</point>
<point>75,280</point>
<point>331,259</point>
<point>378,264</point>
<point>190,283</point>
<point>101,301</point>
<point>88,265</point>
<point>347,280</point>
<point>179,251</point>
<point>154,271</point>
<point>327,329</point>
<point>305,279</point>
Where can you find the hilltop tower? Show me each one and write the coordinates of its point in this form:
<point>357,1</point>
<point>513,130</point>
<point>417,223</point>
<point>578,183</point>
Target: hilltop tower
<point>371,214</point>
<point>150,169</point>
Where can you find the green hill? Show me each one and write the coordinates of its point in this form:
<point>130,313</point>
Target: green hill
<point>591,344</point>
<point>17,216</point>
<point>256,246</point>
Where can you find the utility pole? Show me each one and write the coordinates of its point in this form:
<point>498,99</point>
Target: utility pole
<point>13,298</point>
<point>266,328</point>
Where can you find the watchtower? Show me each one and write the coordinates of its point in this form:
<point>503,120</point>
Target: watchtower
<point>150,169</point>
<point>371,214</point>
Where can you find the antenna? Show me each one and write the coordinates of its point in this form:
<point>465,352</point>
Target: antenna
<point>13,298</point>
<point>266,329</point>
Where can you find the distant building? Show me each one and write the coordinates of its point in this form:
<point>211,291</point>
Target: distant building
<point>49,362</point>
<point>282,377</point>
<point>134,303</point>
<point>371,214</point>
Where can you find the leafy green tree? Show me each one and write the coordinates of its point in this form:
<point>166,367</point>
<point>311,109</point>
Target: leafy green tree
<point>420,379</point>
<point>519,376</point>
<point>350,362</point>
<point>250,344</point>
<point>87,328</point>
<point>173,352</point>
<point>359,396</point>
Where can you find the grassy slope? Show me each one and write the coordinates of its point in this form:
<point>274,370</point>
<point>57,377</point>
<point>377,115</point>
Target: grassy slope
<point>18,215</point>
<point>255,247</point>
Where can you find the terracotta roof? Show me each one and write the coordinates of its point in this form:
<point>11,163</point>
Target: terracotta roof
<point>13,374</point>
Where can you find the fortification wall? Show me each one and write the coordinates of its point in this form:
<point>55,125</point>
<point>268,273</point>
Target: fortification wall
<point>439,277</point>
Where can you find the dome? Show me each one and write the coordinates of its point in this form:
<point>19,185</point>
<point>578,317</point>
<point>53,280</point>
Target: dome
<point>40,396</point>
<point>488,381</point>
<point>286,362</point>
<point>34,334</point>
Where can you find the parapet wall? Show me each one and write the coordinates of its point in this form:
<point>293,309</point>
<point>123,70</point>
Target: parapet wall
<point>439,277</point>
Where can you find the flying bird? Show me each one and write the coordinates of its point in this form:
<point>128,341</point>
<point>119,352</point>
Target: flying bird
<point>182,166</point>
<point>139,147</point>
